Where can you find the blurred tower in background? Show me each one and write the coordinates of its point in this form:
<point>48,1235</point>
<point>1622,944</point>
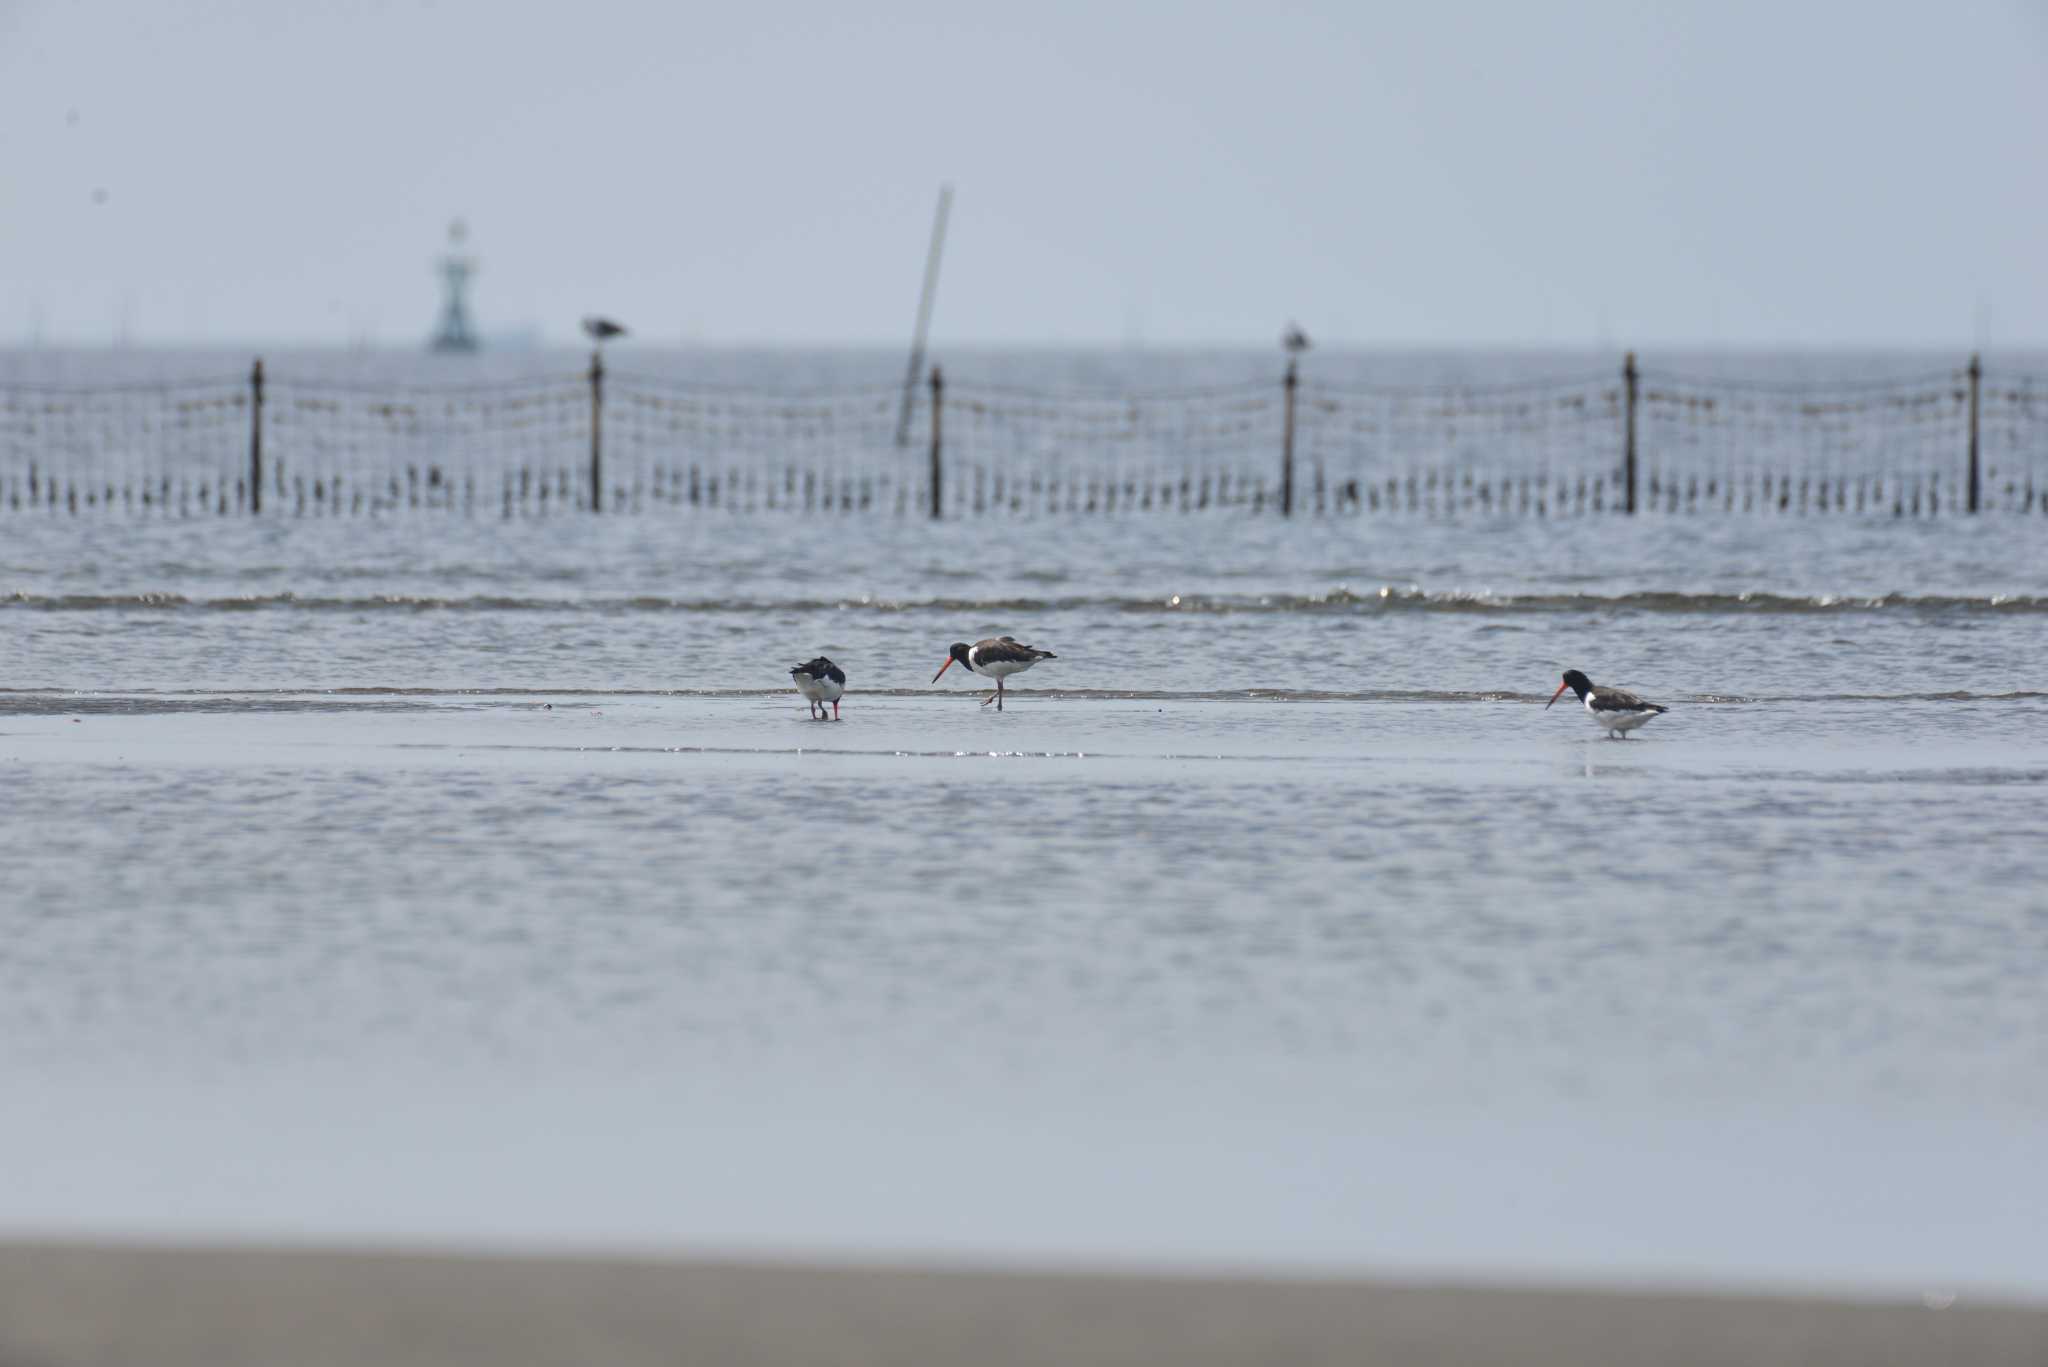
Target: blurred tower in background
<point>454,332</point>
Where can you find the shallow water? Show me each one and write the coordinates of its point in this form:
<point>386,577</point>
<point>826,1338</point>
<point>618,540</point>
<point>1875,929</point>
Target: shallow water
<point>472,881</point>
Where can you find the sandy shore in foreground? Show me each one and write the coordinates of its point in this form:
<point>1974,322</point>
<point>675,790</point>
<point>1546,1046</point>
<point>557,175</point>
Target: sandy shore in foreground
<point>73,1305</point>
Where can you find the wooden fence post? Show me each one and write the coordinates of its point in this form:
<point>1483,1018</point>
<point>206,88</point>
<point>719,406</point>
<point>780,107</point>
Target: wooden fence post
<point>597,431</point>
<point>938,469</point>
<point>256,437</point>
<point>1628,448</point>
<point>1287,441</point>
<point>1976,384</point>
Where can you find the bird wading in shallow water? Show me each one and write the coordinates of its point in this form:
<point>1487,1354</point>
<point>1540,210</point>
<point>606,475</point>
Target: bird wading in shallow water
<point>996,658</point>
<point>1614,710</point>
<point>821,682</point>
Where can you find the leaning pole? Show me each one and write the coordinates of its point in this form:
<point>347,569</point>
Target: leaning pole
<point>924,313</point>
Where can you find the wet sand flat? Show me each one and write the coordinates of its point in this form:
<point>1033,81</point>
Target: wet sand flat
<point>105,1306</point>
<point>1305,986</point>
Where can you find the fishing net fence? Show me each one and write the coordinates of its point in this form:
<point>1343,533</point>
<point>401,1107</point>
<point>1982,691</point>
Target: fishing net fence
<point>1897,446</point>
<point>1544,448</point>
<point>1624,441</point>
<point>666,443</point>
<point>2014,441</point>
<point>1024,452</point>
<point>171,448</point>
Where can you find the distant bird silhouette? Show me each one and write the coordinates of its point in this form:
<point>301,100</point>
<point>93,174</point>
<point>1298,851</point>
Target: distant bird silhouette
<point>602,330</point>
<point>1294,339</point>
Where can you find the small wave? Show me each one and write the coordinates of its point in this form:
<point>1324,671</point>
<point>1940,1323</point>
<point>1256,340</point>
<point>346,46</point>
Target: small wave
<point>1384,600</point>
<point>1952,695</point>
<point>17,703</point>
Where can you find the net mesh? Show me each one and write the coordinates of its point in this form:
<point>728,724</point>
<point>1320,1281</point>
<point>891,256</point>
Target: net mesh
<point>1899,446</point>
<point>1026,453</point>
<point>676,445</point>
<point>334,450</point>
<point>1546,448</point>
<point>2013,437</point>
<point>144,448</point>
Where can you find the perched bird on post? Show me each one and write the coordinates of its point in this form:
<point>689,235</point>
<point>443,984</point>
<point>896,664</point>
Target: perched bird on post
<point>602,330</point>
<point>1294,339</point>
<point>821,682</point>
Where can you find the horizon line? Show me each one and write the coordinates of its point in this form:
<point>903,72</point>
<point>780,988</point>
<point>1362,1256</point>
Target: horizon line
<point>514,344</point>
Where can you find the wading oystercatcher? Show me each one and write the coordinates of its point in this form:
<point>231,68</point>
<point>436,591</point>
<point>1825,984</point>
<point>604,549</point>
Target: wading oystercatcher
<point>997,658</point>
<point>1613,710</point>
<point>822,682</point>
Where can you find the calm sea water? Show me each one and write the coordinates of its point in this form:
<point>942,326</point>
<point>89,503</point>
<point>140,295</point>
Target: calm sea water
<point>469,881</point>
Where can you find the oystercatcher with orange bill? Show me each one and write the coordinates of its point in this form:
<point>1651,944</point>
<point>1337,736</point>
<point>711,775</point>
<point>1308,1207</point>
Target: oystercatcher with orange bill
<point>1614,710</point>
<point>822,682</point>
<point>996,658</point>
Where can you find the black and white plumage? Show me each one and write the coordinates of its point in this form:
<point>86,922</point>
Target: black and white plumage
<point>1614,710</point>
<point>996,658</point>
<point>821,682</point>
<point>602,330</point>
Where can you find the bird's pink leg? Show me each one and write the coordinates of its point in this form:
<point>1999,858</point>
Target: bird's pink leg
<point>835,709</point>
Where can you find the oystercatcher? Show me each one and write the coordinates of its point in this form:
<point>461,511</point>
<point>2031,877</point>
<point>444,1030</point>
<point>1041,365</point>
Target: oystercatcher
<point>997,658</point>
<point>1613,710</point>
<point>602,330</point>
<point>822,682</point>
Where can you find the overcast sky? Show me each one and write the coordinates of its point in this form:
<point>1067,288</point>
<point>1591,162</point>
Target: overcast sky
<point>1735,173</point>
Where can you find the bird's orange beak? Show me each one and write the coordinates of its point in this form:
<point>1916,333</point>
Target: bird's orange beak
<point>1555,696</point>
<point>943,668</point>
